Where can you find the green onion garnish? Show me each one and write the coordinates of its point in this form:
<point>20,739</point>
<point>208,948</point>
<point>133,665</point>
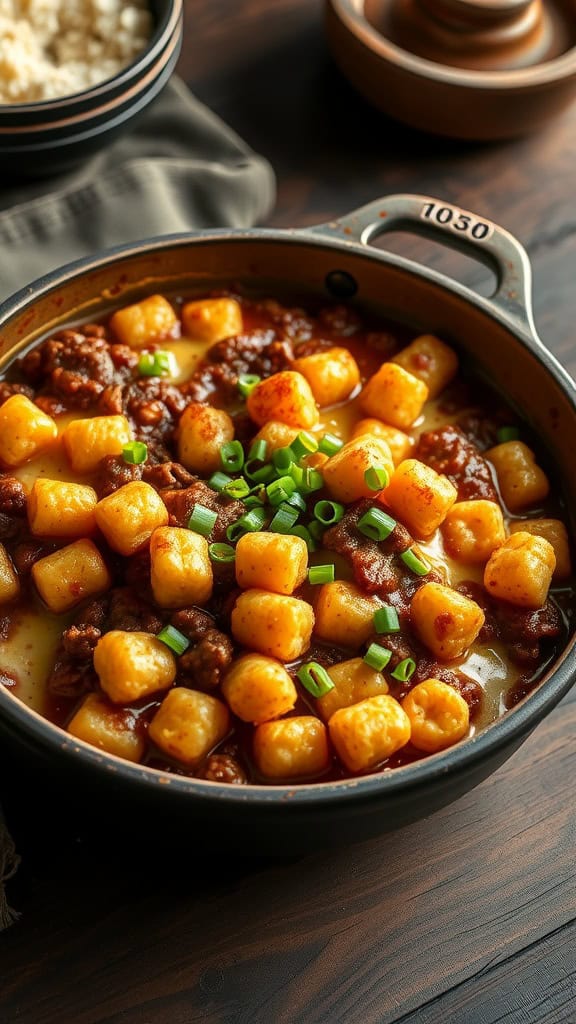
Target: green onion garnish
<point>280,490</point>
<point>311,481</point>
<point>377,657</point>
<point>328,512</point>
<point>315,679</point>
<point>218,481</point>
<point>247,382</point>
<point>507,434</point>
<point>156,364</point>
<point>283,520</point>
<point>297,501</point>
<point>414,563</point>
<point>404,670</point>
<point>259,450</point>
<point>173,639</point>
<point>239,488</point>
<point>330,444</point>
<point>316,530</point>
<point>305,535</point>
<point>232,456</point>
<point>376,524</point>
<point>250,522</point>
<point>321,574</point>
<point>258,473</point>
<point>386,620</point>
<point>135,452</point>
<point>304,444</point>
<point>296,472</point>
<point>221,552</point>
<point>202,520</point>
<point>253,501</point>
<point>283,459</point>
<point>376,478</point>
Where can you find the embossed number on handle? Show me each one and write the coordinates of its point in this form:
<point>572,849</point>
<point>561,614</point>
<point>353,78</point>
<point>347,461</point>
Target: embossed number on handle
<point>460,221</point>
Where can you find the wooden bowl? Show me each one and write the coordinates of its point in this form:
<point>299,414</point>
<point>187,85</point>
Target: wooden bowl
<point>443,98</point>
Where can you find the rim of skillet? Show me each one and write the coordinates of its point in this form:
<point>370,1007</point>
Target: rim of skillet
<point>163,31</point>
<point>516,723</point>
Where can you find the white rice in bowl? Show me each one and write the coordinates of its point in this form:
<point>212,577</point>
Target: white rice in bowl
<point>52,48</point>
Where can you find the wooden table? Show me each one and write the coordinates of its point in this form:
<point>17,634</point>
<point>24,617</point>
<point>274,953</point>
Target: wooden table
<point>466,917</point>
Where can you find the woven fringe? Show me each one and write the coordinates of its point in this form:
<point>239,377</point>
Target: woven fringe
<point>9,861</point>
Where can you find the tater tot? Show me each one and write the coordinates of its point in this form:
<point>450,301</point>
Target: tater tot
<point>272,624</point>
<point>394,395</point>
<point>271,561</point>
<point>129,516</point>
<point>446,621</point>
<point>472,529</point>
<point>291,748</point>
<point>520,571</point>
<point>419,496</point>
<point>345,472</point>
<point>332,374</point>
<point>277,435</point>
<point>354,681</point>
<point>554,531</point>
<point>284,396</point>
<point>87,441</point>
<point>345,614</point>
<point>431,360</point>
<point>201,433</point>
<point>9,582</point>
<point>399,443</point>
<point>25,431</point>
<point>70,575</point>
<point>520,479</point>
<point>131,665</point>
<point>366,733</point>
<point>439,715</point>
<point>107,727</point>
<point>258,689</point>
<point>180,567</point>
<point>60,509</point>
<point>144,322</point>
<point>212,320</point>
<point>189,724</point>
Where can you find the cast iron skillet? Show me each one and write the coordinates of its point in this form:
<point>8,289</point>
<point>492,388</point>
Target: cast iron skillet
<point>336,259</point>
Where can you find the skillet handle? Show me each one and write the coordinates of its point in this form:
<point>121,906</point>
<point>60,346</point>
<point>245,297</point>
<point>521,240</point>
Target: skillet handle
<point>459,229</point>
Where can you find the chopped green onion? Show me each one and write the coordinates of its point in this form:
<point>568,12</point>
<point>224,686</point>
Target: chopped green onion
<point>135,452</point>
<point>202,520</point>
<point>321,574</point>
<point>157,364</point>
<point>221,552</point>
<point>377,657</point>
<point>376,524</point>
<point>247,382</point>
<point>507,434</point>
<point>305,535</point>
<point>304,444</point>
<point>253,501</point>
<point>414,563</point>
<point>316,530</point>
<point>280,490</point>
<point>311,481</point>
<point>250,522</point>
<point>297,501</point>
<point>328,512</point>
<point>258,473</point>
<point>386,620</point>
<point>218,481</point>
<point>237,488</point>
<point>283,520</point>
<point>259,450</point>
<point>404,670</point>
<point>232,456</point>
<point>283,459</point>
<point>330,444</point>
<point>296,472</point>
<point>376,478</point>
<point>315,679</point>
<point>173,639</point>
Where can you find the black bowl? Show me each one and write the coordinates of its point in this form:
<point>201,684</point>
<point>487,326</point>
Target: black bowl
<point>40,139</point>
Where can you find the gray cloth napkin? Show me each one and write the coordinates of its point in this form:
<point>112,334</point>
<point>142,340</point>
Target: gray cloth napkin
<point>180,168</point>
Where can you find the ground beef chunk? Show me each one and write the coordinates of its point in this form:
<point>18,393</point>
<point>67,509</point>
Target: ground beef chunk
<point>12,497</point>
<point>93,614</point>
<point>340,320</point>
<point>375,568</point>
<point>193,623</point>
<point>24,555</point>
<point>79,641</point>
<point>70,678</point>
<point>9,527</point>
<point>73,367</point>
<point>291,323</point>
<point>480,430</point>
<point>181,502</point>
<point>522,629</point>
<point>168,476</point>
<point>113,473</point>
<point>204,665</point>
<point>258,352</point>
<point>313,346</point>
<point>224,768</point>
<point>129,612</point>
<point>154,407</point>
<point>448,451</point>
<point>7,390</point>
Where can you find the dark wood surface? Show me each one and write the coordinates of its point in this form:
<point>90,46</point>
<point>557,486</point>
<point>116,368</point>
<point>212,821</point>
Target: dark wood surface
<point>468,916</point>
